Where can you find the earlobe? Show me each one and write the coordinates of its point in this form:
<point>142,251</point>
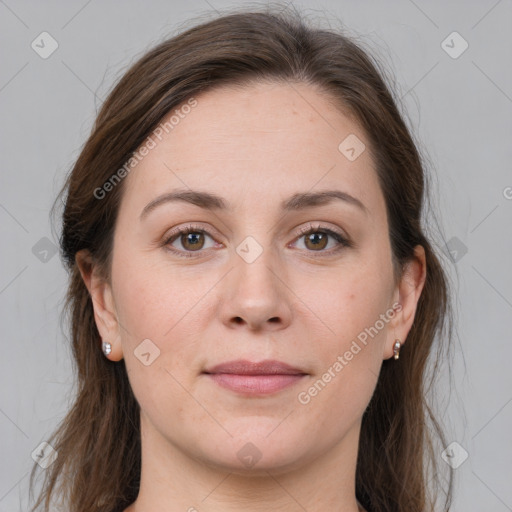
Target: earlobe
<point>101,295</point>
<point>409,291</point>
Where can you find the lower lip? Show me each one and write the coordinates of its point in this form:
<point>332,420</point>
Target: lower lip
<point>254,384</point>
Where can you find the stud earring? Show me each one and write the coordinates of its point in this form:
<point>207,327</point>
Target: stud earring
<point>107,348</point>
<point>396,349</point>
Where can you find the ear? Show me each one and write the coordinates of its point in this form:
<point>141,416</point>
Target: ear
<point>407,295</point>
<point>103,303</point>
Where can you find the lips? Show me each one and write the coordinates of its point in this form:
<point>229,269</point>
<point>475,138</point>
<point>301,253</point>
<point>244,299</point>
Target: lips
<point>255,379</point>
<point>244,367</point>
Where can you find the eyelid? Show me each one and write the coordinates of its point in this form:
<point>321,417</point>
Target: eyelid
<point>317,225</point>
<point>190,227</point>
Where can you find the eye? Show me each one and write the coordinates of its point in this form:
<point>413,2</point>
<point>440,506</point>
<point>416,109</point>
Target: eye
<point>191,239</point>
<point>316,239</point>
<point>187,240</point>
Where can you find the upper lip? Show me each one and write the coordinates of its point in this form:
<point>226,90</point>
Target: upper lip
<point>244,367</point>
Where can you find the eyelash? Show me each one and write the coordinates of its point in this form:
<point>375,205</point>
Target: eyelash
<point>307,230</point>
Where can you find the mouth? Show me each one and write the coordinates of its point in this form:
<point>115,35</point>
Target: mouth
<point>255,378</point>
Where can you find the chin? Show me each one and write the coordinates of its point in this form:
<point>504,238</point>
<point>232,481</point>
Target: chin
<point>257,454</point>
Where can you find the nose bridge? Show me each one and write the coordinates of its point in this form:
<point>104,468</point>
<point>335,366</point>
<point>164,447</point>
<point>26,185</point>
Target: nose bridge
<point>256,295</point>
<point>255,276</point>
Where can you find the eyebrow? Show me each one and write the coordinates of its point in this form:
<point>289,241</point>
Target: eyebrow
<point>209,201</point>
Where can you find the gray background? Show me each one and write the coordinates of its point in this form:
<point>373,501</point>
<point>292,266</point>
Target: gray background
<point>459,108</point>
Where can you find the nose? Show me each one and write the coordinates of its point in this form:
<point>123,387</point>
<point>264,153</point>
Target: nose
<point>255,295</point>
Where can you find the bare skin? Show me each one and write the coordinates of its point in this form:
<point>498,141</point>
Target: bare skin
<point>298,302</point>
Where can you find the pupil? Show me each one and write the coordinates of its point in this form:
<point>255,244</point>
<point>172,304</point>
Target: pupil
<point>193,241</point>
<point>317,240</point>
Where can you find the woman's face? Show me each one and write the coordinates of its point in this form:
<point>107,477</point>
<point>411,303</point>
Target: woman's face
<point>246,283</point>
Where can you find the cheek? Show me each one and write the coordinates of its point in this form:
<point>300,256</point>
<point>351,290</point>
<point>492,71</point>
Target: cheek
<point>348,361</point>
<point>353,308</point>
<point>154,300</point>
<point>163,305</point>
<point>168,306</point>
<point>343,302</point>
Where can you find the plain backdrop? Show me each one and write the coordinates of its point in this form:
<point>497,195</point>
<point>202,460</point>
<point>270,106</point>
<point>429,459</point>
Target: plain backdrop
<point>457,92</point>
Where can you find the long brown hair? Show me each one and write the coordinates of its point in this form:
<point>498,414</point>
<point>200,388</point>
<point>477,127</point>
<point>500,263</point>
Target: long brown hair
<point>98,443</point>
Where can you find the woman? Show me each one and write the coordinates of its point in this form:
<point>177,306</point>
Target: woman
<point>252,297</point>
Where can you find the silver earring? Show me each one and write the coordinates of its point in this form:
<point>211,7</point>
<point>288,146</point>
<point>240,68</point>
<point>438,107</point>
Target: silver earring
<point>107,348</point>
<point>396,349</point>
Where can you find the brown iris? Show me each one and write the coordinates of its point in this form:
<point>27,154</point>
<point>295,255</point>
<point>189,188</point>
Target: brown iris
<point>193,240</point>
<point>319,240</point>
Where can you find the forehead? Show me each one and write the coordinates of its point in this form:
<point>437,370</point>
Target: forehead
<point>266,140</point>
